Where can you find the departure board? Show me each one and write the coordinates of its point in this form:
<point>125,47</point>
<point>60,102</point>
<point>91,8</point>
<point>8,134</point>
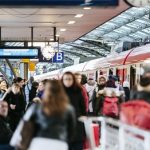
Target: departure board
<point>18,53</point>
<point>59,2</point>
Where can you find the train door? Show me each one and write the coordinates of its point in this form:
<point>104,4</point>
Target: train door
<point>132,76</point>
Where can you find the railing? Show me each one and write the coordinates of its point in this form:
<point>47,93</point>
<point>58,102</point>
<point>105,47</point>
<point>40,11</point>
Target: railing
<point>114,135</point>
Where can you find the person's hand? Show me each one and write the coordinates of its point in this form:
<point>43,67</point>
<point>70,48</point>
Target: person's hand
<point>13,107</point>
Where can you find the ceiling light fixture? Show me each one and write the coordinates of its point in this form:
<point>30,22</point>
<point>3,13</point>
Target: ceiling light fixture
<point>62,30</point>
<point>71,22</point>
<point>51,39</point>
<point>57,35</point>
<point>78,15</point>
<point>87,8</point>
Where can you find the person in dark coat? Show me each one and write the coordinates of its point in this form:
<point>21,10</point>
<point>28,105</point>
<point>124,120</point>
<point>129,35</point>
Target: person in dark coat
<point>17,105</point>
<point>142,90</point>
<point>33,91</point>
<point>74,92</point>
<point>5,131</point>
<point>100,86</point>
<point>21,84</point>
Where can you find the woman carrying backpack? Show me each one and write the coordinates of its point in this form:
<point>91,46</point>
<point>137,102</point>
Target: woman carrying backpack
<point>108,100</point>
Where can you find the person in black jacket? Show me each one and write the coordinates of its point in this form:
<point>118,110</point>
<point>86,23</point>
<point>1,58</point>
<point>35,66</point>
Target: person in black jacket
<point>74,92</point>
<point>5,131</point>
<point>142,90</point>
<point>100,86</point>
<point>17,105</point>
<point>33,91</point>
<point>53,121</point>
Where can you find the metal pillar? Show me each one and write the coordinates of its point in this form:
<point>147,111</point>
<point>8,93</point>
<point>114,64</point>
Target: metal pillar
<point>55,31</point>
<point>32,36</point>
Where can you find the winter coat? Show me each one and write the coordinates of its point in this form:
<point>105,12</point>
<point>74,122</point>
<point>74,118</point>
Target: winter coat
<point>77,101</point>
<point>56,126</point>
<point>5,131</point>
<point>32,93</point>
<point>17,114</point>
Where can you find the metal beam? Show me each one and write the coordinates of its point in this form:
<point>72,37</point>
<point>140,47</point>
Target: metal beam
<point>11,67</point>
<point>69,59</point>
<point>90,50</point>
<point>74,53</point>
<point>98,44</point>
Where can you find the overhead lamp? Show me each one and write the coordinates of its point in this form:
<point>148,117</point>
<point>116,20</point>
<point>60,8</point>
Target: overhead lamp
<point>62,30</point>
<point>78,15</point>
<point>71,22</point>
<point>57,35</point>
<point>87,8</point>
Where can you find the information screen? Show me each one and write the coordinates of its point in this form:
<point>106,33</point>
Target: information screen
<point>17,53</point>
<point>59,2</point>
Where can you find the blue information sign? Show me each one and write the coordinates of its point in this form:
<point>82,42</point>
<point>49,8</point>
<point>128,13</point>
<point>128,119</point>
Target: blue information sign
<point>18,53</point>
<point>58,2</point>
<point>57,58</point>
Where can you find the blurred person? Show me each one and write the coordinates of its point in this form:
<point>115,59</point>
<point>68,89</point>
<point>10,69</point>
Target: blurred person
<point>108,100</point>
<point>3,88</point>
<point>90,87</point>
<point>28,87</point>
<point>136,111</point>
<point>3,85</point>
<point>142,90</point>
<point>74,92</point>
<point>79,79</point>
<point>5,131</point>
<point>126,90</point>
<point>41,88</point>
<point>16,103</point>
<point>84,79</point>
<point>33,91</point>
<point>21,83</point>
<point>52,123</point>
<point>99,87</point>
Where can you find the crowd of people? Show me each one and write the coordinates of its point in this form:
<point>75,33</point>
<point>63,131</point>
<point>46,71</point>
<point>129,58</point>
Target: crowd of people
<point>36,116</point>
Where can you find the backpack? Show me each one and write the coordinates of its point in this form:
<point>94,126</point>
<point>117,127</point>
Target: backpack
<point>110,107</point>
<point>136,113</point>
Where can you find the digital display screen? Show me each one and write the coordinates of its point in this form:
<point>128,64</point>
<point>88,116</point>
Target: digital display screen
<point>59,2</point>
<point>17,53</point>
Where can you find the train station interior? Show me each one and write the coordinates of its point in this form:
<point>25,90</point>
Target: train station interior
<point>97,51</point>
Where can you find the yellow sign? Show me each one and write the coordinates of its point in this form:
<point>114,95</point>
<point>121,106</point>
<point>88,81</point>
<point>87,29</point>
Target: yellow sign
<point>31,66</point>
<point>25,60</point>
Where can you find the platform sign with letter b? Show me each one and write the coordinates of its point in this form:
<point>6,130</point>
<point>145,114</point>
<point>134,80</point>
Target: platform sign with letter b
<point>58,58</point>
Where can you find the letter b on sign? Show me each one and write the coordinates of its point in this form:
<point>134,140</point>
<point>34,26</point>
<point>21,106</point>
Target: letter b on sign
<point>59,57</point>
